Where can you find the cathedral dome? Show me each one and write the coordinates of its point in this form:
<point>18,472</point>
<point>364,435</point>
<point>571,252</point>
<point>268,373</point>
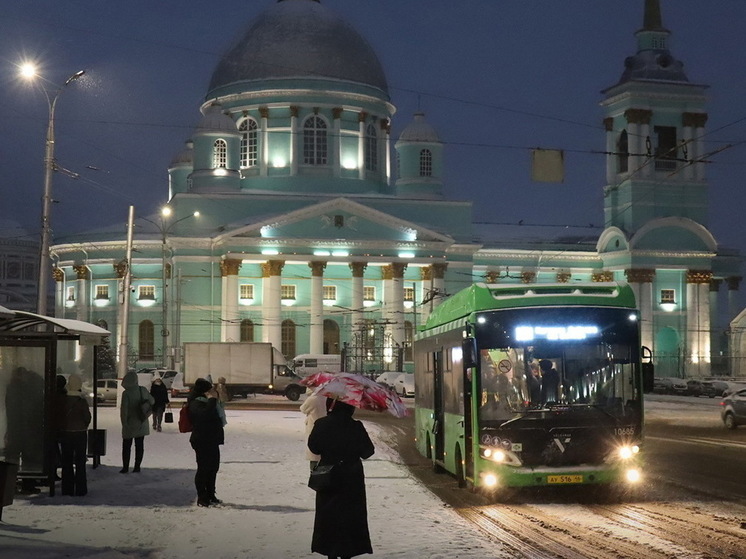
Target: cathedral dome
<point>216,120</point>
<point>419,130</point>
<point>298,39</point>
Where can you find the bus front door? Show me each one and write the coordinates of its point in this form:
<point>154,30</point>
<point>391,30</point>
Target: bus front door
<point>438,425</point>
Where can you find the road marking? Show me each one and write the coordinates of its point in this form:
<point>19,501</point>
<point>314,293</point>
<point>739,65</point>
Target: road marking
<point>710,442</point>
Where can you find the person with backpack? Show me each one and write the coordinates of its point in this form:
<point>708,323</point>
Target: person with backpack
<point>136,402</point>
<point>207,419</point>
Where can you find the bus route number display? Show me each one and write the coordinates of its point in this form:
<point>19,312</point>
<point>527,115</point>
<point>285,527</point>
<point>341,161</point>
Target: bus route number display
<point>555,333</point>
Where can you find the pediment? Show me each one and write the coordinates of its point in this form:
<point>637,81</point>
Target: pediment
<point>335,219</point>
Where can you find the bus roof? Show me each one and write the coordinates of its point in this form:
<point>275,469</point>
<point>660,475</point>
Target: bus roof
<point>484,297</point>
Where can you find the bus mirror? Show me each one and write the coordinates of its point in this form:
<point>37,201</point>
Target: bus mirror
<point>469,352</point>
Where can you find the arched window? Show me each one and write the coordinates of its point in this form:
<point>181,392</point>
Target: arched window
<point>249,142</point>
<point>371,148</point>
<point>247,330</point>
<point>331,337</point>
<point>622,148</point>
<point>288,339</point>
<point>146,340</point>
<point>315,141</point>
<point>426,163</point>
<point>219,154</point>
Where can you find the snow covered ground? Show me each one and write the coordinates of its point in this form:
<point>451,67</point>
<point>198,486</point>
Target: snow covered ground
<point>267,511</point>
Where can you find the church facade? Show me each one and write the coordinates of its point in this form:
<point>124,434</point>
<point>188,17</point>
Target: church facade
<point>295,218</point>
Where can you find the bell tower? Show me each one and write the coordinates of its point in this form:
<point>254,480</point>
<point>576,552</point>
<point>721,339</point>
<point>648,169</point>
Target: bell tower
<point>654,120</point>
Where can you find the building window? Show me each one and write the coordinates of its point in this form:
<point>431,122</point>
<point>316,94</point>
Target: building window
<point>314,141</point>
<point>102,292</point>
<point>249,142</point>
<point>70,294</point>
<point>668,296</point>
<point>288,339</point>
<point>331,337</point>
<point>666,151</point>
<point>247,330</point>
<point>146,340</point>
<point>369,295</point>
<point>409,294</point>
<point>371,148</point>
<point>14,270</point>
<point>219,154</point>
<point>330,294</point>
<point>287,292</point>
<point>146,293</point>
<point>426,163</point>
<point>246,291</point>
<point>622,149</point>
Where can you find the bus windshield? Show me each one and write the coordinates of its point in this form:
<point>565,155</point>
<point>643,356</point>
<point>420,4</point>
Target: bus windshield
<point>532,362</point>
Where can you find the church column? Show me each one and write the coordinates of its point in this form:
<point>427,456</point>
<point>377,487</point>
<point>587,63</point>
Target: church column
<point>230,325</point>
<point>271,302</point>
<point>693,129</point>
<point>317,306</point>
<point>295,151</point>
<point>716,346</point>
<point>638,132</point>
<point>611,147</point>
<point>361,117</point>
<point>698,321</point>
<point>733,283</point>
<point>335,154</point>
<point>358,274</point>
<point>641,281</point>
<point>393,291</point>
<point>84,297</point>
<point>264,159</point>
<point>386,128</point>
<point>59,292</point>
<point>439,282</point>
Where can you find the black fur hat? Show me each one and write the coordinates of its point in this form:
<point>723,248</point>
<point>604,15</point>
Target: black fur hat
<point>201,386</point>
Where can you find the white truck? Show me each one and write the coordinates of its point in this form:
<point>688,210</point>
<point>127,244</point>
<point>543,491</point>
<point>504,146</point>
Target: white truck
<point>309,363</point>
<point>248,368</point>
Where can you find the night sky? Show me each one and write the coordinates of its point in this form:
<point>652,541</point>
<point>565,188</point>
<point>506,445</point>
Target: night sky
<point>495,78</point>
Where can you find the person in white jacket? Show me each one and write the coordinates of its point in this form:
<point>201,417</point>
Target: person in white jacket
<point>314,406</point>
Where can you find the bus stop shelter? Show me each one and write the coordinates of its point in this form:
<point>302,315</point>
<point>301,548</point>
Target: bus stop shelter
<point>34,349</point>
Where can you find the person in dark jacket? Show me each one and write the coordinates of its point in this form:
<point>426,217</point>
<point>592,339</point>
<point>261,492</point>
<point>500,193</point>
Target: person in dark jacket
<point>77,417</point>
<point>134,428</point>
<point>340,529</point>
<point>159,392</point>
<point>208,418</point>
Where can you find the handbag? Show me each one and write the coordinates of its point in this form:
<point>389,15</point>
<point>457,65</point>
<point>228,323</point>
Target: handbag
<point>168,417</point>
<point>322,477</point>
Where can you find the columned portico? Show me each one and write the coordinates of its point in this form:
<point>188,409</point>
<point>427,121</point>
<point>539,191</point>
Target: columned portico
<point>393,293</point>
<point>358,274</point>
<point>59,291</point>
<point>272,307</point>
<point>82,288</point>
<point>317,306</point>
<point>230,323</point>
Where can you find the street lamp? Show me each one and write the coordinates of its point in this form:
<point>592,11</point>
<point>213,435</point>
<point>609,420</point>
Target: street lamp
<point>28,71</point>
<point>165,228</point>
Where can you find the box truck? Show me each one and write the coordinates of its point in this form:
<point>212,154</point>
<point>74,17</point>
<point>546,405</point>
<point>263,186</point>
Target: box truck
<point>308,363</point>
<point>248,368</point>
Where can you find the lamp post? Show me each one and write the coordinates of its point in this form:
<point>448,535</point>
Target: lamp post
<point>164,229</point>
<point>29,71</point>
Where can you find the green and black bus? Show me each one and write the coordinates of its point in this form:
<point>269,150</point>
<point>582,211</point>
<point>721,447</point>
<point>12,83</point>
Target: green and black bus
<point>532,385</point>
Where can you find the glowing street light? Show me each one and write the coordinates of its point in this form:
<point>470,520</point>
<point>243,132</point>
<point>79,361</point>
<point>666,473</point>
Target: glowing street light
<point>29,71</point>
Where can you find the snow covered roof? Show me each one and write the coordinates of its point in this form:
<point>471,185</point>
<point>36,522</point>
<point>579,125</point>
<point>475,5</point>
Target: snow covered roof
<point>299,38</point>
<point>419,130</point>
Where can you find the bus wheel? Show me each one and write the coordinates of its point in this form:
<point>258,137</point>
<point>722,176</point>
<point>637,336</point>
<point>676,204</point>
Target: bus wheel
<point>460,479</point>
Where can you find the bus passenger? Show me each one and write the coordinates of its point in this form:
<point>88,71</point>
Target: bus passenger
<point>549,382</point>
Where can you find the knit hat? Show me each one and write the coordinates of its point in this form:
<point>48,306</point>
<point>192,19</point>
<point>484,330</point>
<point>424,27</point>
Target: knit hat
<point>201,386</point>
<point>74,383</point>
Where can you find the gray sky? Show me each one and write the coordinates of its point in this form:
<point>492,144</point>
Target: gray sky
<point>494,77</point>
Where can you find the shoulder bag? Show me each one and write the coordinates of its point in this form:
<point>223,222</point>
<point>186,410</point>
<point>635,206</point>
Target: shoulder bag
<point>144,410</point>
<point>322,478</point>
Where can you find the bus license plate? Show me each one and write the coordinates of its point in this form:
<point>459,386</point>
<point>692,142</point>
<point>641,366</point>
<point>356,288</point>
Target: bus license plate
<point>565,479</point>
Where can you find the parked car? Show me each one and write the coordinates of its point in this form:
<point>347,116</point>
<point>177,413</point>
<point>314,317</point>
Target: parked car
<point>669,385</point>
<point>178,390</point>
<point>722,388</point>
<point>696,387</point>
<point>106,390</point>
<point>404,384</point>
<point>387,379</point>
<point>166,375</point>
<point>733,410</point>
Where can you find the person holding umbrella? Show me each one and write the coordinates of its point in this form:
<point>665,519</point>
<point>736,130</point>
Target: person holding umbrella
<point>340,527</point>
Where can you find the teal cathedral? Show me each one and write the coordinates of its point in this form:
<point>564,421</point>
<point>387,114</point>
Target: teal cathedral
<point>319,232</point>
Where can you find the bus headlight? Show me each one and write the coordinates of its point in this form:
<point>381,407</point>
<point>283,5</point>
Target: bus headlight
<point>633,475</point>
<point>489,480</point>
<point>627,452</point>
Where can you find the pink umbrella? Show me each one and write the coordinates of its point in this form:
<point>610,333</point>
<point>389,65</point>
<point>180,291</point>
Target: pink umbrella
<point>356,390</point>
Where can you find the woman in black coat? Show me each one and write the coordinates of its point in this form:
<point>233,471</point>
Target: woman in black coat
<point>207,419</point>
<point>341,525</point>
<point>159,392</point>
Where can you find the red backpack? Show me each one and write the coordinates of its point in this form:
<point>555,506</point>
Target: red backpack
<point>185,422</point>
